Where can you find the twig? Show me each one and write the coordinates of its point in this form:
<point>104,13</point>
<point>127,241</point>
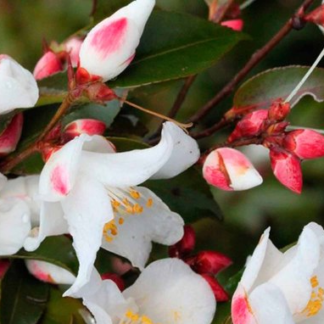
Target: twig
<point>255,59</point>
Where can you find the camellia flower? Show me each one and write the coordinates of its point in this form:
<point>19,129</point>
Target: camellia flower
<point>88,191</point>
<point>229,169</point>
<point>182,297</point>
<point>283,288</point>
<point>18,88</point>
<point>110,46</point>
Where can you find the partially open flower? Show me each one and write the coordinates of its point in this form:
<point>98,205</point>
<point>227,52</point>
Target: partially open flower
<point>229,169</point>
<point>110,46</point>
<point>18,88</point>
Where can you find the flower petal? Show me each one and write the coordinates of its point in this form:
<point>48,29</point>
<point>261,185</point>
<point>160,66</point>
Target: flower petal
<point>182,296</point>
<point>87,208</point>
<point>143,220</point>
<point>14,225</point>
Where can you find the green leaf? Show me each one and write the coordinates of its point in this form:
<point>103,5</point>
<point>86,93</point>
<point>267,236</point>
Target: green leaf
<point>104,8</point>
<point>55,249</point>
<point>223,314</point>
<point>23,298</point>
<point>277,83</point>
<point>187,46</point>
<point>61,310</point>
<point>187,194</point>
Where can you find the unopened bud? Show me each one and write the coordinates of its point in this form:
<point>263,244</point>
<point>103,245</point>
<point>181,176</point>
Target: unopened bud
<point>115,278</point>
<point>50,273</point>
<point>279,110</point>
<point>287,169</point>
<point>47,65</point>
<point>83,126</point>
<point>305,143</point>
<point>110,46</point>
<point>209,262</point>
<point>250,125</point>
<point>73,46</point>
<point>9,138</point>
<point>219,292</point>
<point>316,16</point>
<point>185,245</point>
<point>100,93</point>
<point>229,169</point>
<point>235,24</point>
<point>48,150</point>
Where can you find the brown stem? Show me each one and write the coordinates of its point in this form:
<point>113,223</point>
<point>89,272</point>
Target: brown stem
<point>255,59</point>
<point>213,129</point>
<point>11,161</point>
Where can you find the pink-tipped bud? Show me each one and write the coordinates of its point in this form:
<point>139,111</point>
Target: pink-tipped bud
<point>209,262</point>
<point>185,245</point>
<point>235,24</point>
<point>110,46</point>
<point>83,126</point>
<point>47,65</point>
<point>219,292</point>
<point>18,87</point>
<point>279,110</point>
<point>115,278</point>
<point>287,169</point>
<point>9,138</point>
<point>316,16</point>
<point>73,46</point>
<point>229,169</point>
<point>305,143</point>
<point>251,125</point>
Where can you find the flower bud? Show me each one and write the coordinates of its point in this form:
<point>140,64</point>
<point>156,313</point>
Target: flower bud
<point>47,65</point>
<point>18,88</point>
<point>229,169</point>
<point>185,245</point>
<point>9,138</point>
<point>73,46</point>
<point>219,292</point>
<point>316,16</point>
<point>209,262</point>
<point>83,126</point>
<point>287,169</point>
<point>279,110</point>
<point>48,272</point>
<point>48,150</point>
<point>110,46</point>
<point>235,24</point>
<point>115,278</point>
<point>250,125</point>
<point>305,143</point>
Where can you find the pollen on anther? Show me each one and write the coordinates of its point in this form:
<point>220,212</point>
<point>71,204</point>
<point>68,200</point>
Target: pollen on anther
<point>135,194</point>
<point>149,202</point>
<point>121,221</point>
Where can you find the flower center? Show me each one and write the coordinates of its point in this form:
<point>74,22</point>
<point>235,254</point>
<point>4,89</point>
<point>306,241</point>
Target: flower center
<point>133,318</point>
<point>124,203</point>
<point>316,300</point>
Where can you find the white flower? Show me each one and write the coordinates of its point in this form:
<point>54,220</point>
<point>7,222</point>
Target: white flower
<point>283,288</point>
<point>167,292</point>
<point>18,88</point>
<point>110,46</point>
<point>88,191</point>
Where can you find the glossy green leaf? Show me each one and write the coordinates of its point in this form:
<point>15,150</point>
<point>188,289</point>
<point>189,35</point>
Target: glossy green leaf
<point>223,314</point>
<point>61,310</point>
<point>277,83</point>
<point>188,46</point>
<point>103,8</point>
<point>55,249</point>
<point>187,194</point>
<point>23,298</point>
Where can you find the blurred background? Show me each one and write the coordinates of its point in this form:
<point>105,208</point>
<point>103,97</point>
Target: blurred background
<point>24,24</point>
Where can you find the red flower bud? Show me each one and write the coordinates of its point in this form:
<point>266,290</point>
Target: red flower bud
<point>83,126</point>
<point>185,245</point>
<point>209,262</point>
<point>305,143</point>
<point>287,169</point>
<point>115,278</point>
<point>279,110</point>
<point>316,16</point>
<point>47,65</point>
<point>9,138</point>
<point>99,92</point>
<point>219,292</point>
<point>235,24</point>
<point>251,125</point>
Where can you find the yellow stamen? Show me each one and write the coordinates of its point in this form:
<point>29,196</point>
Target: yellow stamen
<point>316,299</point>
<point>135,194</point>
<point>149,202</point>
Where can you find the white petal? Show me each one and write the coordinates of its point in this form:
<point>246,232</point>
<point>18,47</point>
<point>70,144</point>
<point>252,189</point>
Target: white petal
<point>14,225</point>
<point>3,181</point>
<point>139,229</point>
<point>270,306</point>
<point>60,171</point>
<point>169,292</point>
<point>51,223</point>
<point>18,88</point>
<point>129,168</point>
<point>87,208</point>
<point>98,144</point>
<point>184,154</point>
<point>49,272</point>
